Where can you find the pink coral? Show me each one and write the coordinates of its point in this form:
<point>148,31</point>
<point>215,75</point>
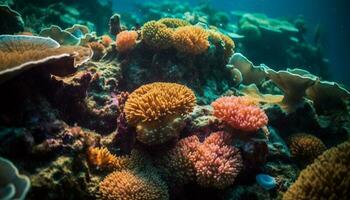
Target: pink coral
<point>239,112</point>
<point>217,162</point>
<point>126,40</point>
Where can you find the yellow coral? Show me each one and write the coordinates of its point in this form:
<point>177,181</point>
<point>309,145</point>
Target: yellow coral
<point>305,147</point>
<point>102,158</point>
<point>174,22</point>
<point>327,178</point>
<point>157,35</point>
<point>191,40</point>
<point>131,185</point>
<point>157,100</point>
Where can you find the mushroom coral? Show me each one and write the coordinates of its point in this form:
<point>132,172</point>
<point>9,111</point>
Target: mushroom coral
<point>240,113</point>
<point>157,35</point>
<point>328,177</point>
<point>191,40</point>
<point>132,185</point>
<point>157,110</point>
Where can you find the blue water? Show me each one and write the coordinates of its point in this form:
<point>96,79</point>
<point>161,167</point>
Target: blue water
<point>331,15</point>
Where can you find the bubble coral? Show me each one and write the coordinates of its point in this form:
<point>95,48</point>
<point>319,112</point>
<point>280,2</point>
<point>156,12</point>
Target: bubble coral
<point>157,109</point>
<point>328,177</point>
<point>178,162</point>
<point>131,185</point>
<point>126,40</point>
<point>174,22</point>
<point>157,35</point>
<point>240,113</point>
<point>217,163</point>
<point>305,147</point>
<point>191,40</point>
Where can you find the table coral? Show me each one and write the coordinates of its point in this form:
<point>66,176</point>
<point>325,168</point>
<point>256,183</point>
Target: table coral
<point>156,110</point>
<point>327,178</point>
<point>305,147</point>
<point>131,185</point>
<point>240,113</point>
<point>191,40</point>
<point>217,163</point>
<point>126,40</point>
<point>157,35</point>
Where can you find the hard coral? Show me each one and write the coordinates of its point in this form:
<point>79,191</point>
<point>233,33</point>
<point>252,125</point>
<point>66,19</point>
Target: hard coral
<point>178,162</point>
<point>327,178</point>
<point>305,147</point>
<point>240,113</point>
<point>157,109</point>
<point>174,22</point>
<point>217,162</point>
<point>157,35</point>
<point>191,40</point>
<point>126,40</point>
<point>131,185</point>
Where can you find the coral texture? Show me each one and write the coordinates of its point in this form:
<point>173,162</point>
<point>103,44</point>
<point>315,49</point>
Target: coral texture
<point>240,113</point>
<point>131,185</point>
<point>157,35</point>
<point>327,178</point>
<point>174,22</point>
<point>98,49</point>
<point>126,41</point>
<point>191,40</point>
<point>157,100</point>
<point>217,163</point>
<point>229,45</point>
<point>178,161</point>
<point>305,147</point>
<point>106,40</point>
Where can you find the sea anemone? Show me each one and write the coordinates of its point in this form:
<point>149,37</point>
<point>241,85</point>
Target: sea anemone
<point>157,35</point>
<point>217,163</point>
<point>191,40</point>
<point>126,40</point>
<point>240,113</point>
<point>132,185</point>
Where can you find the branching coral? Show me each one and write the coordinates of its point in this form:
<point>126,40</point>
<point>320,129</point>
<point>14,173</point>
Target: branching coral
<point>327,178</point>
<point>178,162</point>
<point>126,41</point>
<point>305,147</point>
<point>157,35</point>
<point>174,22</point>
<point>131,185</point>
<point>156,110</point>
<point>217,163</point>
<point>191,40</point>
<point>240,113</point>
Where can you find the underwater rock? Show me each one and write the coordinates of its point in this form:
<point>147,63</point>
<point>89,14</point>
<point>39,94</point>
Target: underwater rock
<point>13,185</point>
<point>10,21</point>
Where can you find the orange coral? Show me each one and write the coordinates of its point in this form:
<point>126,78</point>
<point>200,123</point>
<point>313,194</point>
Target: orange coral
<point>240,113</point>
<point>106,40</point>
<point>178,162</point>
<point>98,49</point>
<point>191,40</point>
<point>152,102</point>
<point>305,147</point>
<point>157,110</point>
<point>126,40</point>
<point>328,177</point>
<point>131,185</point>
<point>217,163</point>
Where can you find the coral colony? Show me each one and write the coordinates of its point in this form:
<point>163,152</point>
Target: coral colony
<point>165,109</point>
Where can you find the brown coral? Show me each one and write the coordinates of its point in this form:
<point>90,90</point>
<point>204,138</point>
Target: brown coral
<point>305,147</point>
<point>327,178</point>
<point>131,185</point>
<point>191,40</point>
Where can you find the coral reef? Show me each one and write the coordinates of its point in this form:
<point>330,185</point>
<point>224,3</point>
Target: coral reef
<point>191,40</point>
<point>157,35</point>
<point>126,41</point>
<point>240,113</point>
<point>328,177</point>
